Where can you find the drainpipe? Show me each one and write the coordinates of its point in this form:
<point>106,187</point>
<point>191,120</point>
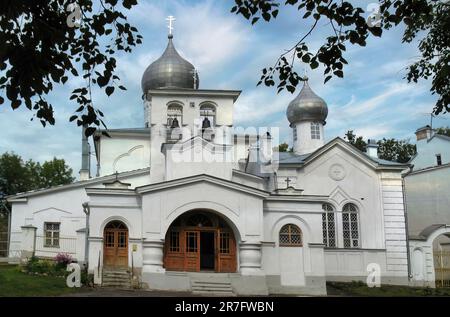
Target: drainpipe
<point>405,210</point>
<point>87,211</point>
<point>8,241</point>
<point>8,244</point>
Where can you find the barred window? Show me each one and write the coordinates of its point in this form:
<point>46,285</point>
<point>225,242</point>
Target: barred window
<point>294,132</point>
<point>51,233</point>
<point>174,241</point>
<point>328,226</point>
<point>290,236</point>
<point>174,112</point>
<point>224,242</point>
<point>350,228</point>
<point>315,131</point>
<point>191,241</point>
<point>109,239</point>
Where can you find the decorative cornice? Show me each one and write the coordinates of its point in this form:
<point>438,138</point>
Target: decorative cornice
<point>303,198</point>
<point>202,178</point>
<point>197,92</point>
<point>92,181</point>
<point>110,191</point>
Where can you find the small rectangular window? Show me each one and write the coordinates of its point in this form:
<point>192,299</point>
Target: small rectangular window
<point>294,132</point>
<point>191,241</point>
<point>438,159</point>
<point>51,233</point>
<point>224,242</point>
<point>174,241</point>
<point>315,131</point>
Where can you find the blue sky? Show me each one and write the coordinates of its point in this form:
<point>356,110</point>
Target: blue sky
<point>372,99</point>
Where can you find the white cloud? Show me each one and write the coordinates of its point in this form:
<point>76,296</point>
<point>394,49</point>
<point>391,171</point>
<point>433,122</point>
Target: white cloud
<point>259,104</point>
<point>209,36</point>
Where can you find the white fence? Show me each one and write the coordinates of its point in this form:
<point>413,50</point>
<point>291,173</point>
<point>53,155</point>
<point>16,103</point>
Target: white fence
<point>64,244</point>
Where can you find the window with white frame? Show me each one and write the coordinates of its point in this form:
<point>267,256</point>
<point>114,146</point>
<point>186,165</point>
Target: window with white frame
<point>174,111</point>
<point>315,131</point>
<point>350,226</point>
<point>208,111</point>
<point>51,234</point>
<point>294,132</point>
<point>328,226</point>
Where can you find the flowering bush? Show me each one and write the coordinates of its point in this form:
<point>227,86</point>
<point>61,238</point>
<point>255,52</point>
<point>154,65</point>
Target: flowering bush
<point>62,259</point>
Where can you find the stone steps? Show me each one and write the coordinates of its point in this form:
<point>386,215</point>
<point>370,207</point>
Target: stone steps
<point>116,278</point>
<point>220,288</point>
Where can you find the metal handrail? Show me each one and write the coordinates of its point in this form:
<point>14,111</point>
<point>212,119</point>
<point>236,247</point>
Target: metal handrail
<point>98,264</point>
<point>132,266</point>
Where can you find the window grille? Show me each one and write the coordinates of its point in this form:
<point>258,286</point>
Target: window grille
<point>315,131</point>
<point>350,228</point>
<point>294,132</point>
<point>51,233</point>
<point>191,242</point>
<point>225,242</point>
<point>438,159</point>
<point>328,226</point>
<point>122,239</point>
<point>174,241</point>
<point>290,235</point>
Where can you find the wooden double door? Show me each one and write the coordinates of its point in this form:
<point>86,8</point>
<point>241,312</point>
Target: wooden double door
<point>195,250</point>
<point>115,245</point>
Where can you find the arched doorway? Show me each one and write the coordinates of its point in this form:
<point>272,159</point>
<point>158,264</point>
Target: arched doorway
<point>200,241</point>
<point>115,244</point>
<point>441,260</point>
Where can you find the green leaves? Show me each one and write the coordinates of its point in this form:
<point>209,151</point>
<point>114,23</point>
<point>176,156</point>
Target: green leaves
<point>43,50</point>
<point>348,24</point>
<point>254,10</point>
<point>109,90</point>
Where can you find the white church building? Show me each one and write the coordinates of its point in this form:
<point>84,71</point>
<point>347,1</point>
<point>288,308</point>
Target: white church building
<point>188,202</point>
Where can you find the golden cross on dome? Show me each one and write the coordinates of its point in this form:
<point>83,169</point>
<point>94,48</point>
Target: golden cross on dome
<point>170,19</point>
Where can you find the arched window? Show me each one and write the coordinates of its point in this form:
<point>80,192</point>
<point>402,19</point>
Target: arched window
<point>290,236</point>
<point>328,226</point>
<point>208,111</point>
<point>350,226</point>
<point>315,131</point>
<point>199,220</point>
<point>174,111</point>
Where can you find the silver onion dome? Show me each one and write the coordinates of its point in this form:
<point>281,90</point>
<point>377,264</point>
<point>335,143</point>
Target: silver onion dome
<point>170,71</point>
<point>307,106</point>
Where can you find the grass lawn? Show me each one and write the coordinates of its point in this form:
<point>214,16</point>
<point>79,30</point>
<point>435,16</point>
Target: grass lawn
<point>15,283</point>
<point>361,289</point>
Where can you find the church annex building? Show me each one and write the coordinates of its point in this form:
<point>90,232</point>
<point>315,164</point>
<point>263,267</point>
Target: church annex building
<point>187,203</point>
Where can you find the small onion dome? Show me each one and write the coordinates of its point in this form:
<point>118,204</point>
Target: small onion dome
<point>307,106</point>
<point>169,71</point>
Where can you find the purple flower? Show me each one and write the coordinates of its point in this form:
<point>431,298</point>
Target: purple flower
<point>63,258</point>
